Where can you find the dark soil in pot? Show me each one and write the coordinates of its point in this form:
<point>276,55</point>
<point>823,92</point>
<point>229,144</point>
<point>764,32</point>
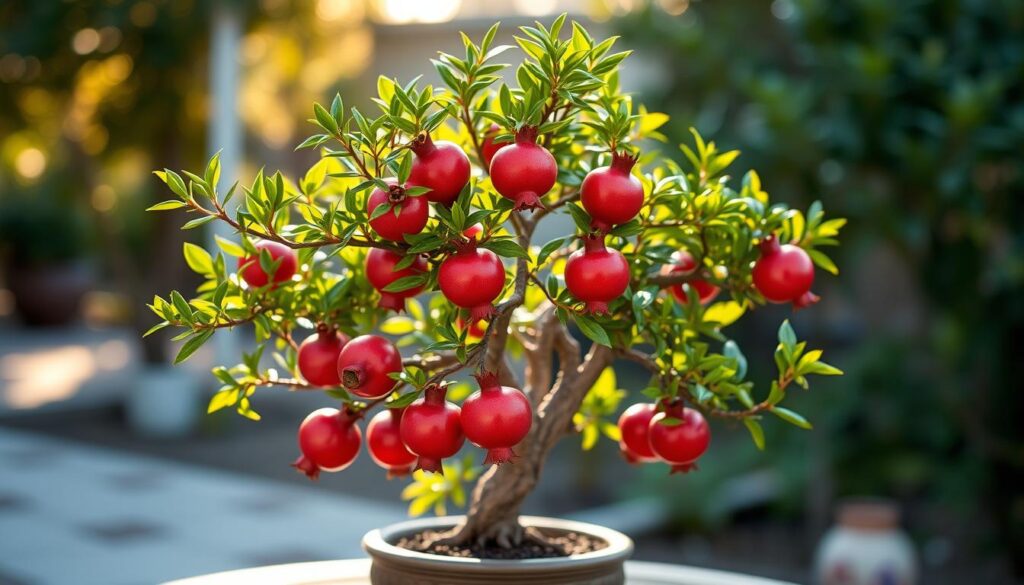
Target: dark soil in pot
<point>539,545</point>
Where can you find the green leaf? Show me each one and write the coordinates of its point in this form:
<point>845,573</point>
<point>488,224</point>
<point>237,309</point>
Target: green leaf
<point>507,248</point>
<point>403,400</point>
<point>579,217</point>
<point>198,259</point>
<point>198,222</point>
<point>223,399</point>
<point>787,337</point>
<point>193,343</point>
<point>165,205</point>
<point>823,261</point>
<point>383,208</point>
<point>756,432</point>
<point>155,328</point>
<point>731,350</point>
<point>791,417</point>
<point>593,330</point>
<point>822,369</point>
<point>325,119</point>
<point>406,283</point>
<point>182,306</point>
<point>548,249</point>
<point>230,248</point>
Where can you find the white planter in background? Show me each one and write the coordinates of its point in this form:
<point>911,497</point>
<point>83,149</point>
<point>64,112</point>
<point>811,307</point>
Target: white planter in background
<point>165,402</point>
<point>866,547</point>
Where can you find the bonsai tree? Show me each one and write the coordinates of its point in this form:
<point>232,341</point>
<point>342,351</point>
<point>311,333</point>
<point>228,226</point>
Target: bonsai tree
<point>443,190</point>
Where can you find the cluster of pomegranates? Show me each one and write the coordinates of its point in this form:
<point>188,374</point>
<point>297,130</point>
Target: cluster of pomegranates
<point>668,432</point>
<point>421,435</point>
<point>495,418</point>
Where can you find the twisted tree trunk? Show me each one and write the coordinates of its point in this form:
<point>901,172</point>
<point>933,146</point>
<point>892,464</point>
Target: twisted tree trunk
<point>494,510</point>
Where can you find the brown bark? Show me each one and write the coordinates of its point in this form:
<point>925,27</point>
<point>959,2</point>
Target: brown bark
<point>494,510</point>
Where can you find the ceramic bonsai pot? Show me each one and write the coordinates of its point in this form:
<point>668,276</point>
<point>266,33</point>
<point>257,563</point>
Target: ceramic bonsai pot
<point>393,565</point>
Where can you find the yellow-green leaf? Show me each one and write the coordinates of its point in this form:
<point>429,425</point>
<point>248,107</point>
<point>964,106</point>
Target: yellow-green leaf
<point>725,313</point>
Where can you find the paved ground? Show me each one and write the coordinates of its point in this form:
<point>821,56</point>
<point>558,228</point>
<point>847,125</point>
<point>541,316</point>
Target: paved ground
<point>76,514</point>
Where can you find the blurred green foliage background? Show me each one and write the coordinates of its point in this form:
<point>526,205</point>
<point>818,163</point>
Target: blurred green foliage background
<point>908,118</point>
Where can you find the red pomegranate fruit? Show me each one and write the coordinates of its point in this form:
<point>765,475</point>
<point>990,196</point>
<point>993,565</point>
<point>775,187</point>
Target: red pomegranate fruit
<point>252,272</point>
<point>684,263</point>
<point>524,171</point>
<point>412,213</point>
<point>472,278</point>
<point>431,428</point>
<point>440,166</point>
<point>679,436</point>
<point>477,329</point>
<point>490,145</point>
<point>384,443</point>
<point>365,363</point>
<point>496,418</point>
<point>612,195</point>
<point>318,356</point>
<point>634,426</point>
<point>473,232</point>
<point>380,271</point>
<point>329,440</point>
<point>784,273</point>
<point>596,275</point>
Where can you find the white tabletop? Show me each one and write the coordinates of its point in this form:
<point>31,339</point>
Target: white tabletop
<point>356,572</point>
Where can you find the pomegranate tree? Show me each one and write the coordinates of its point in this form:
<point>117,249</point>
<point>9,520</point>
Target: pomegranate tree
<point>664,257</point>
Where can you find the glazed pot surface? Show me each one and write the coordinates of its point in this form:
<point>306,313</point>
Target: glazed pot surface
<point>398,566</point>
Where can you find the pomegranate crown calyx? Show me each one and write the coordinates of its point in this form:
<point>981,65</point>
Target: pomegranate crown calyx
<point>672,407</point>
<point>526,135</point>
<point>435,394</point>
<point>487,380</point>
<point>623,161</point>
<point>464,247</point>
<point>396,194</point>
<point>769,245</point>
<point>422,144</point>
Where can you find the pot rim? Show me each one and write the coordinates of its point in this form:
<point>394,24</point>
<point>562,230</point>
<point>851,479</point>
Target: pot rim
<point>376,544</point>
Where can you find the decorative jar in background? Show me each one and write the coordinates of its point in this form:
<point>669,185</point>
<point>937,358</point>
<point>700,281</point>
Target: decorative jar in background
<point>866,547</point>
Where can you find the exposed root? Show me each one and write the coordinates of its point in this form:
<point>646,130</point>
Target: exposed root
<point>506,534</point>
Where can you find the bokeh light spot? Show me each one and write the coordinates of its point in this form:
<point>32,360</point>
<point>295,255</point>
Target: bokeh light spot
<point>30,163</point>
<point>103,198</point>
<point>535,7</point>
<point>85,41</point>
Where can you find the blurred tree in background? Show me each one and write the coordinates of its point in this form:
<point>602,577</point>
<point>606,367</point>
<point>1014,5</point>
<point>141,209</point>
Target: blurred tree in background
<point>908,118</point>
<point>97,93</point>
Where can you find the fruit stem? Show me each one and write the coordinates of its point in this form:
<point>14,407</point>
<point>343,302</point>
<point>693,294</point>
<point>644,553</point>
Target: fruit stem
<point>596,308</point>
<point>526,135</point>
<point>769,246</point>
<point>422,145</point>
<point>594,243</point>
